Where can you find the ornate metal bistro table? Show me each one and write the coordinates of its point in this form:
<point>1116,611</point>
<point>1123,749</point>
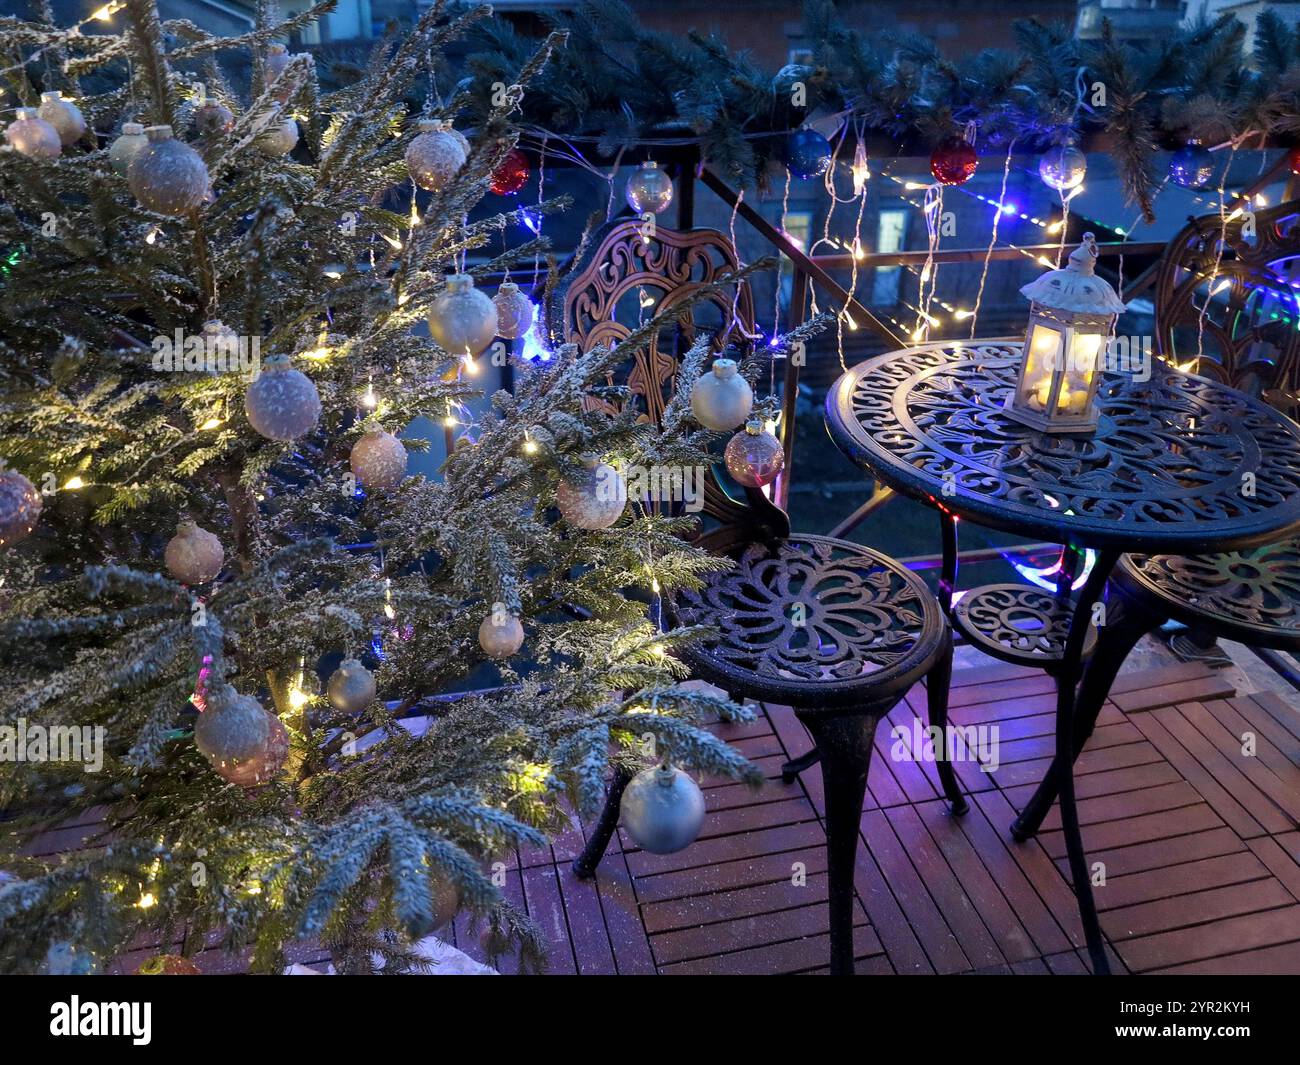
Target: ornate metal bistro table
<point>1178,465</point>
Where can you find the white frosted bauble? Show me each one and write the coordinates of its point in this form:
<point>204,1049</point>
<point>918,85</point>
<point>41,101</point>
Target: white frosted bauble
<point>278,139</point>
<point>211,119</point>
<point>244,743</point>
<point>20,506</point>
<point>64,116</point>
<point>500,634</point>
<point>514,311</point>
<point>131,143</point>
<point>435,155</point>
<point>649,189</point>
<point>168,176</point>
<point>721,399</point>
<point>282,403</point>
<point>277,60</point>
<point>662,809</point>
<point>378,460</point>
<point>462,319</point>
<point>458,137</point>
<point>30,135</point>
<point>351,686</point>
<point>594,498</point>
<point>193,555</point>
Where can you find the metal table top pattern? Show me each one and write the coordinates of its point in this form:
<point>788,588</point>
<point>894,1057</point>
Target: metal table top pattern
<point>1179,463</point>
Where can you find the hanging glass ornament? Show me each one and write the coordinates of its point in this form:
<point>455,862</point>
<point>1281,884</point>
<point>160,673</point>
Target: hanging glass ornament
<point>500,634</point>
<point>30,135</point>
<point>593,498</point>
<point>243,743</point>
<point>1191,166</point>
<point>378,460</point>
<point>662,809</point>
<point>511,173</point>
<point>20,506</point>
<point>807,153</point>
<point>954,161</point>
<point>194,555</point>
<point>754,456</point>
<point>64,116</point>
<point>463,320</point>
<point>213,118</point>
<point>721,399</point>
<point>277,61</point>
<point>1063,167</point>
<point>514,311</point>
<point>351,686</point>
<point>168,177</point>
<point>282,403</point>
<point>434,156</point>
<point>649,189</point>
<point>131,143</point>
<point>279,138</point>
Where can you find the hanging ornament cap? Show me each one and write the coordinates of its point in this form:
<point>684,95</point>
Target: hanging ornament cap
<point>158,133</point>
<point>132,129</point>
<point>1076,288</point>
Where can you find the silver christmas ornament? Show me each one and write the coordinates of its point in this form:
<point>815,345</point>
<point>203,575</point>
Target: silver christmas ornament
<point>514,311</point>
<point>64,116</point>
<point>662,810</point>
<point>278,139</point>
<point>20,506</point>
<point>242,742</point>
<point>378,460</point>
<point>131,143</point>
<point>435,155</point>
<point>649,189</point>
<point>351,686</point>
<point>754,456</point>
<point>30,135</point>
<point>168,177</point>
<point>594,498</point>
<point>277,60</point>
<point>462,319</point>
<point>721,399</point>
<point>212,118</point>
<point>282,403</point>
<point>458,137</point>
<point>501,634</point>
<point>1063,168</point>
<point>193,555</point>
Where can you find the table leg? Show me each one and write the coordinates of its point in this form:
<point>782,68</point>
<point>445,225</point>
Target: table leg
<point>1068,677</point>
<point>844,741</point>
<point>1113,647</point>
<point>948,574</point>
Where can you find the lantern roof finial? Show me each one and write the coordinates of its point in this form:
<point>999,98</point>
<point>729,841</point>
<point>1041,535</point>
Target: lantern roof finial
<point>1076,288</point>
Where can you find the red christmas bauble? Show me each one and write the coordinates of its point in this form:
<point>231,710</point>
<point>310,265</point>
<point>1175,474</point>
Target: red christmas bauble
<point>511,175</point>
<point>1293,160</point>
<point>953,162</point>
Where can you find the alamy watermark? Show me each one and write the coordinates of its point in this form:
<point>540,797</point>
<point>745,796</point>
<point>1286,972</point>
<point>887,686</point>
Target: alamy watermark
<point>662,484</point>
<point>22,742</point>
<point>955,743</point>
<point>215,350</point>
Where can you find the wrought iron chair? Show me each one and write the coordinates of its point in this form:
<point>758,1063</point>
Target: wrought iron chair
<point>871,629</point>
<point>1248,337</point>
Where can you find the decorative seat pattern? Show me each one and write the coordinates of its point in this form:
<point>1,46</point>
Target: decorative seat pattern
<point>1018,623</point>
<point>809,610</point>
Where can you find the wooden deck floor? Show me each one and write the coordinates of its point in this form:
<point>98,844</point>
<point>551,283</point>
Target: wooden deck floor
<point>1199,841</point>
<point>1199,835</point>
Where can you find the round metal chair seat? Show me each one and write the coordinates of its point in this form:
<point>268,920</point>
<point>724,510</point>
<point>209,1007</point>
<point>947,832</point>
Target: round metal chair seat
<point>1019,623</point>
<point>1250,596</point>
<point>814,622</point>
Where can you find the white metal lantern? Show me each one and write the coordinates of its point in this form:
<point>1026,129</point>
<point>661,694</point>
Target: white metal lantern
<point>1072,315</point>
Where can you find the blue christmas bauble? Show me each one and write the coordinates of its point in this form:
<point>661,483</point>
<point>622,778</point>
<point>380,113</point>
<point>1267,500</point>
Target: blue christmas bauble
<point>1191,166</point>
<point>807,153</point>
<point>662,810</point>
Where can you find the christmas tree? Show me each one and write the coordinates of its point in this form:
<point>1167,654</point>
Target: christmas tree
<point>209,309</point>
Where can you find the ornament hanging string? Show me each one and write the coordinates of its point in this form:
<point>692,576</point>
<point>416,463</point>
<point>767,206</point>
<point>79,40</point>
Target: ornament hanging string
<point>993,239</point>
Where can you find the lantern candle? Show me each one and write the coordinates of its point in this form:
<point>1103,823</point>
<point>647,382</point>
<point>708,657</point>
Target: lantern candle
<point>1072,315</point>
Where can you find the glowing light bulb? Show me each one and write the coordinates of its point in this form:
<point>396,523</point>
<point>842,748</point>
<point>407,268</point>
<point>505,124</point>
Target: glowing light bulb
<point>393,242</point>
<point>74,482</point>
<point>147,901</point>
<point>530,446</point>
<point>211,423</point>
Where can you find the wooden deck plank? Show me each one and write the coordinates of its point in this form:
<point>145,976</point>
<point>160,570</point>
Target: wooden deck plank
<point>1232,935</point>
